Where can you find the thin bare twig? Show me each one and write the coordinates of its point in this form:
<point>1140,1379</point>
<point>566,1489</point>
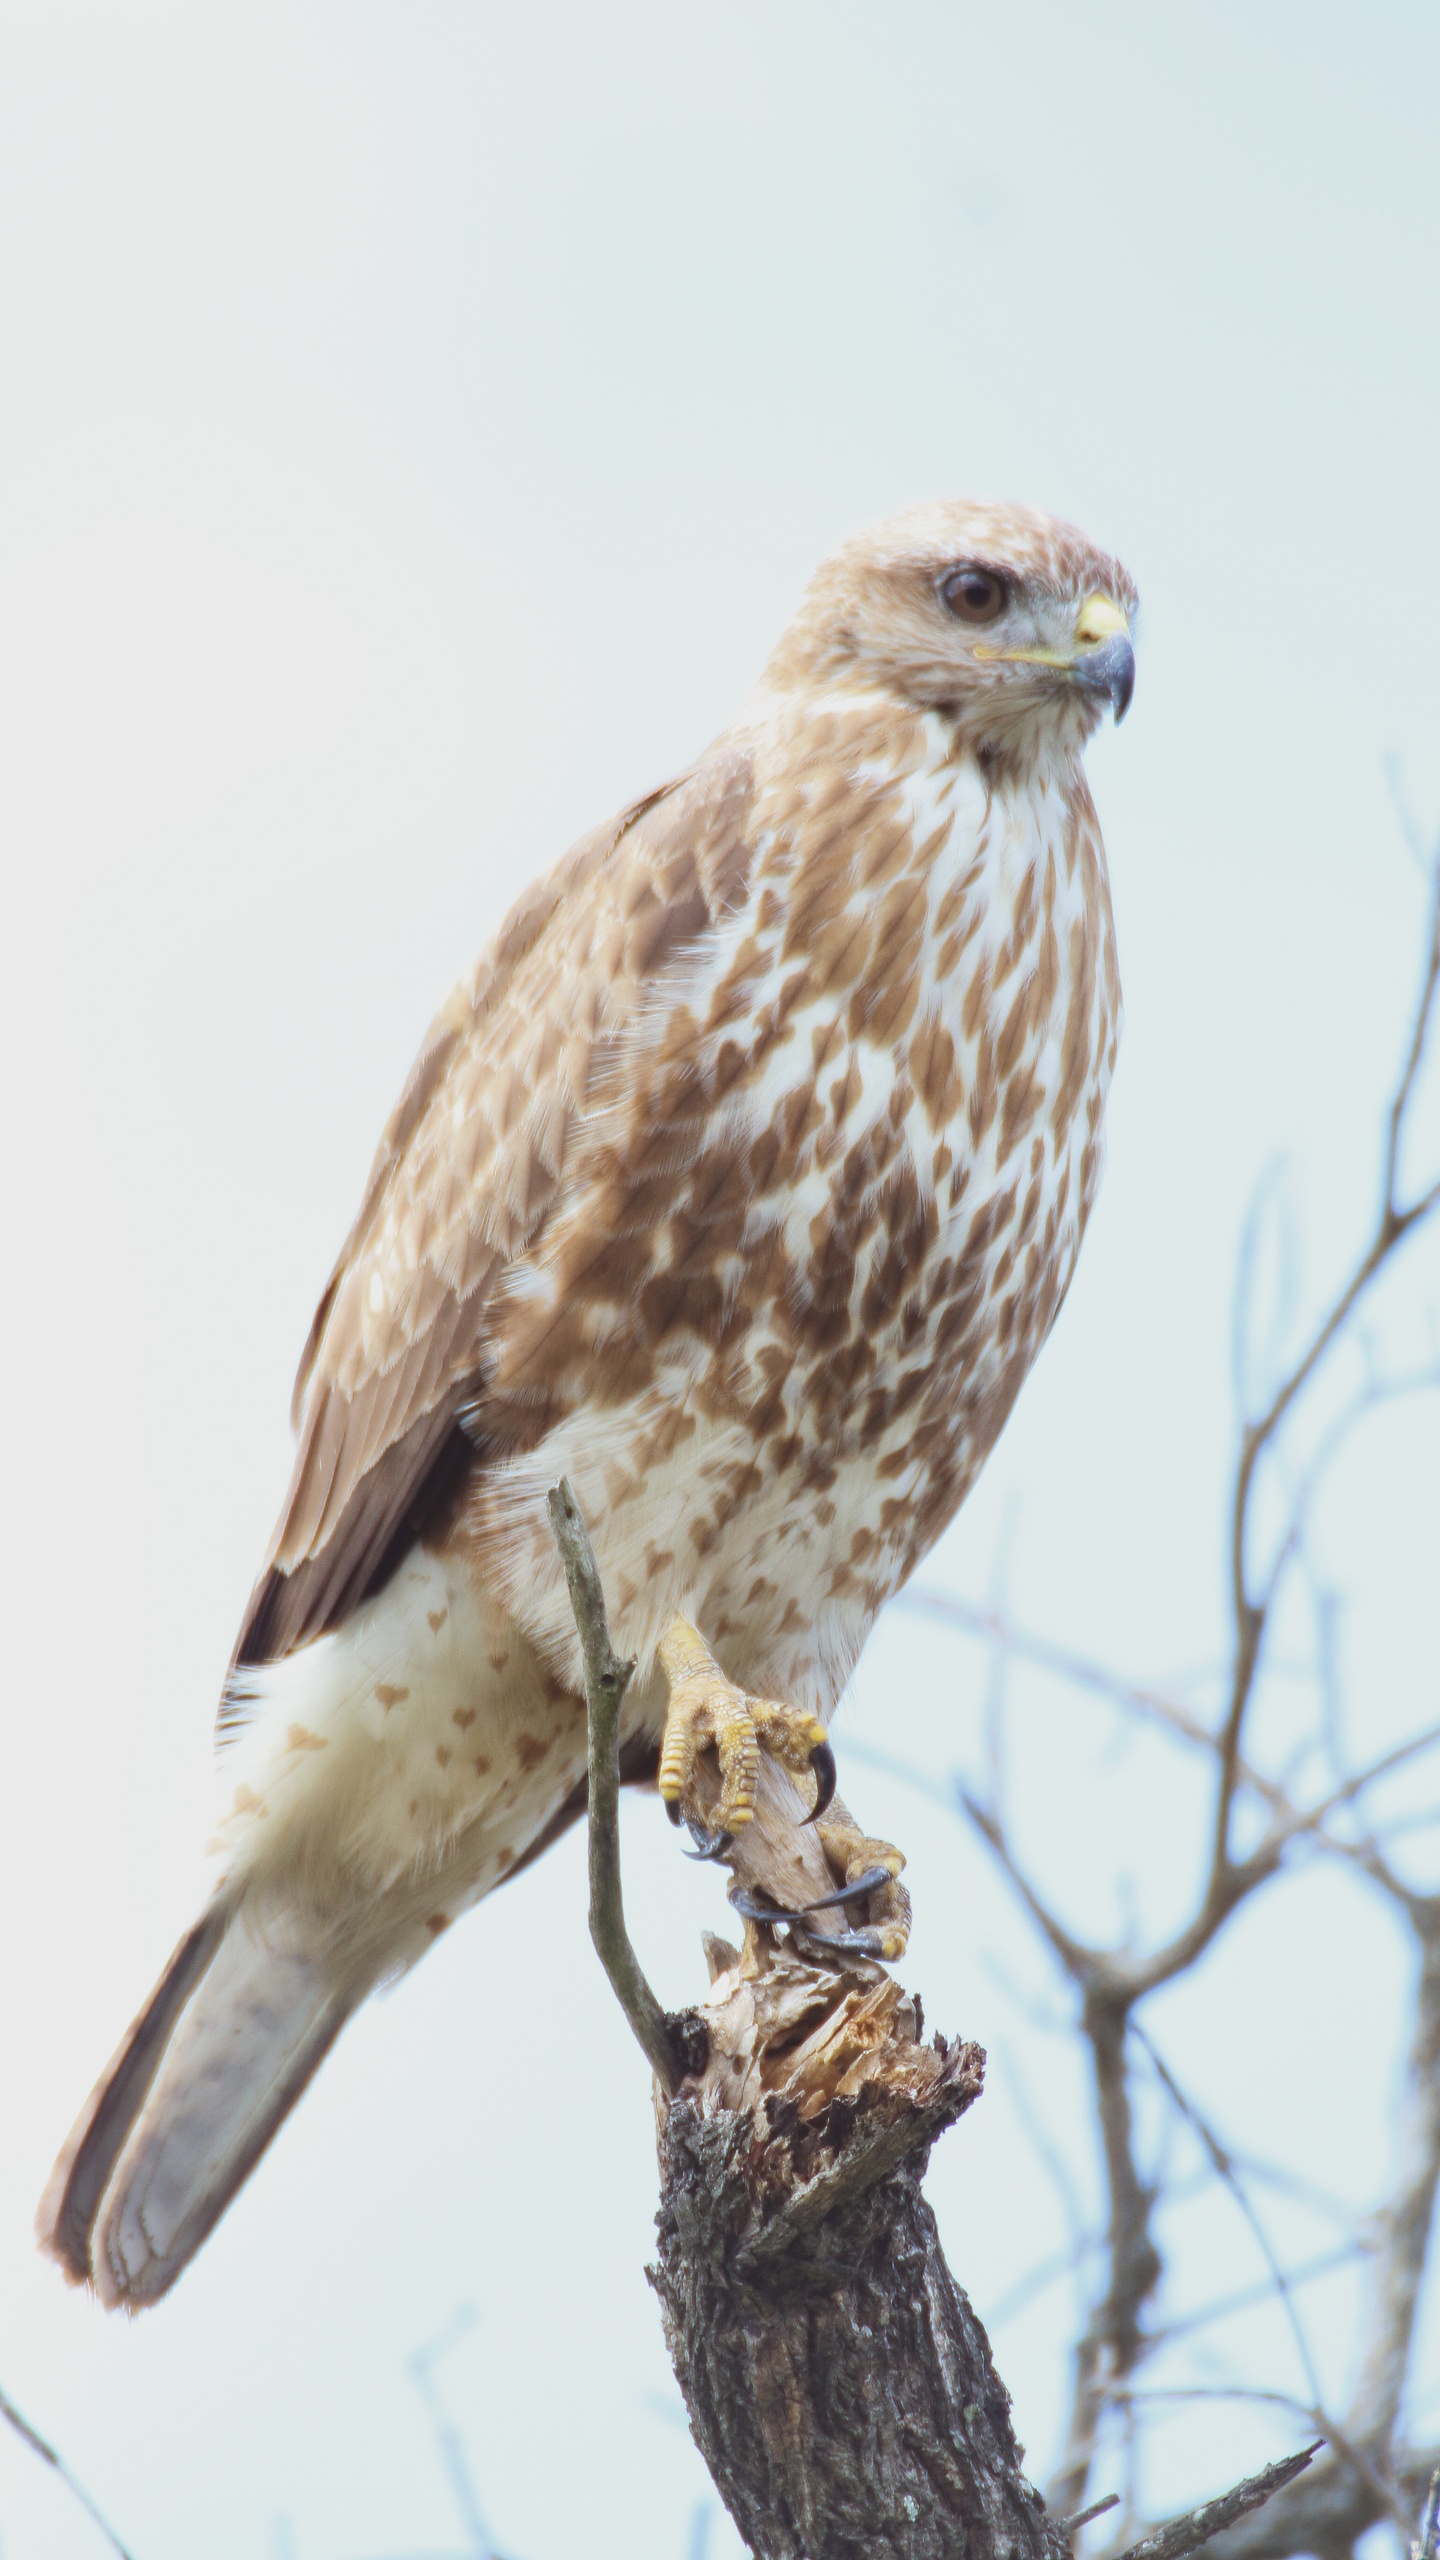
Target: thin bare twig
<point>1393,1224</point>
<point>40,2444</point>
<point>606,1681</point>
<point>1223,2164</point>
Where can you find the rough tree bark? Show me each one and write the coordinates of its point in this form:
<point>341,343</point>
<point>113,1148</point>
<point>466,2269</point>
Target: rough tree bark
<point>838,2383</point>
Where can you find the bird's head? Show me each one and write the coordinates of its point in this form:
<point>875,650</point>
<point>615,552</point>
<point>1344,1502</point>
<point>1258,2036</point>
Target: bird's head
<point>1008,620</point>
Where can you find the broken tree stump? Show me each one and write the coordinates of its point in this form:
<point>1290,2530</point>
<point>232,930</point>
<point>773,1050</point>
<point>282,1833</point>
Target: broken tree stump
<point>838,2383</point>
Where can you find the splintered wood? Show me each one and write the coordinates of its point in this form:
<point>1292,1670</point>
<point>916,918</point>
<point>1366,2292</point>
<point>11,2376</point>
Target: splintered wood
<point>828,2064</point>
<point>839,2386</point>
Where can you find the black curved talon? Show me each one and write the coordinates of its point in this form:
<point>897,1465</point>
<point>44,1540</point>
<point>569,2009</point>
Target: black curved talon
<point>870,1882</point>
<point>822,1761</point>
<point>853,1942</point>
<point>708,1844</point>
<point>751,1909</point>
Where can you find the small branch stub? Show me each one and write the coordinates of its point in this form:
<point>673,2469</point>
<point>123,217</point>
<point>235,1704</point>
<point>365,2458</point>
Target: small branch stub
<point>1187,2533</point>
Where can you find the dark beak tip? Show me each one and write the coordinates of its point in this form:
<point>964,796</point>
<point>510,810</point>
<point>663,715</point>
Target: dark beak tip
<point>1109,671</point>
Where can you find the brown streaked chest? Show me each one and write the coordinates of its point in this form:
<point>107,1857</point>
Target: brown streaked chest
<point>839,1195</point>
<point>830,1217</point>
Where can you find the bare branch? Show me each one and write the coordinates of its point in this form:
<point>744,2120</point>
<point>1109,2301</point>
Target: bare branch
<point>1113,2341</point>
<point>1079,1960</point>
<point>606,1681</point>
<point>1326,2511</point>
<point>1393,1225</point>
<point>1187,2533</point>
<point>1369,1398</point>
<point>40,2444</point>
<point>1273,2173</point>
<point>1403,2227</point>
<point>1297,1823</point>
<point>1223,2164</point>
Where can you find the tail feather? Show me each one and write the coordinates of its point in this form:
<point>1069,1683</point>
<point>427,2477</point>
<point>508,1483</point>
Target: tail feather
<point>82,2172</point>
<point>213,2064</point>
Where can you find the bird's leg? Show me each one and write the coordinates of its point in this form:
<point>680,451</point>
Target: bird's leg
<point>708,1712</point>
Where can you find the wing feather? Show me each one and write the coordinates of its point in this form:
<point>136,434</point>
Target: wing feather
<point>481,1146</point>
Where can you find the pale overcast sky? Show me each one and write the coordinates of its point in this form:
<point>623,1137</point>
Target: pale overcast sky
<point>415,423</point>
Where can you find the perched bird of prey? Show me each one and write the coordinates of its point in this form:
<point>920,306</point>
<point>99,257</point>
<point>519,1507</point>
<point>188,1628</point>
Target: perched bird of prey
<point>740,1183</point>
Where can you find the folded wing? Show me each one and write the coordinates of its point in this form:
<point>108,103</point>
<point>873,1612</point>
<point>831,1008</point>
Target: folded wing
<point>479,1151</point>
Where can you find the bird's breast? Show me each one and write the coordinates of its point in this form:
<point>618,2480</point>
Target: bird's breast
<point>810,1276</point>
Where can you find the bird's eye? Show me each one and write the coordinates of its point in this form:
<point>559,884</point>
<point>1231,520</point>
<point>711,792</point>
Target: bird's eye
<point>973,595</point>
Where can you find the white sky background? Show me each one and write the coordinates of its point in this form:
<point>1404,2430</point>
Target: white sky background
<point>415,424</point>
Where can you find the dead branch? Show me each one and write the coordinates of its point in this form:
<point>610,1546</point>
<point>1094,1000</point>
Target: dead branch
<point>661,2038</point>
<point>40,2445</point>
<point>1326,2511</point>
<point>1186,2533</point>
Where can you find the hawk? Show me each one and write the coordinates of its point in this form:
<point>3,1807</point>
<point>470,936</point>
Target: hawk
<point>741,1183</point>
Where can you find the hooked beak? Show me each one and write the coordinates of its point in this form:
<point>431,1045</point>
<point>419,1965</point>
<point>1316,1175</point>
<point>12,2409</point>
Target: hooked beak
<point>1105,660</point>
<point>1101,661</point>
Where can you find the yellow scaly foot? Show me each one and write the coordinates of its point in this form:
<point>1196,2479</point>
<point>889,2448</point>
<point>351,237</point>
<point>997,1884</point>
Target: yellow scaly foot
<point>708,1712</point>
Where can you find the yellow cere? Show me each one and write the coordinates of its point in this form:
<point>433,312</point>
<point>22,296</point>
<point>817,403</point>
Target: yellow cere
<point>1100,619</point>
